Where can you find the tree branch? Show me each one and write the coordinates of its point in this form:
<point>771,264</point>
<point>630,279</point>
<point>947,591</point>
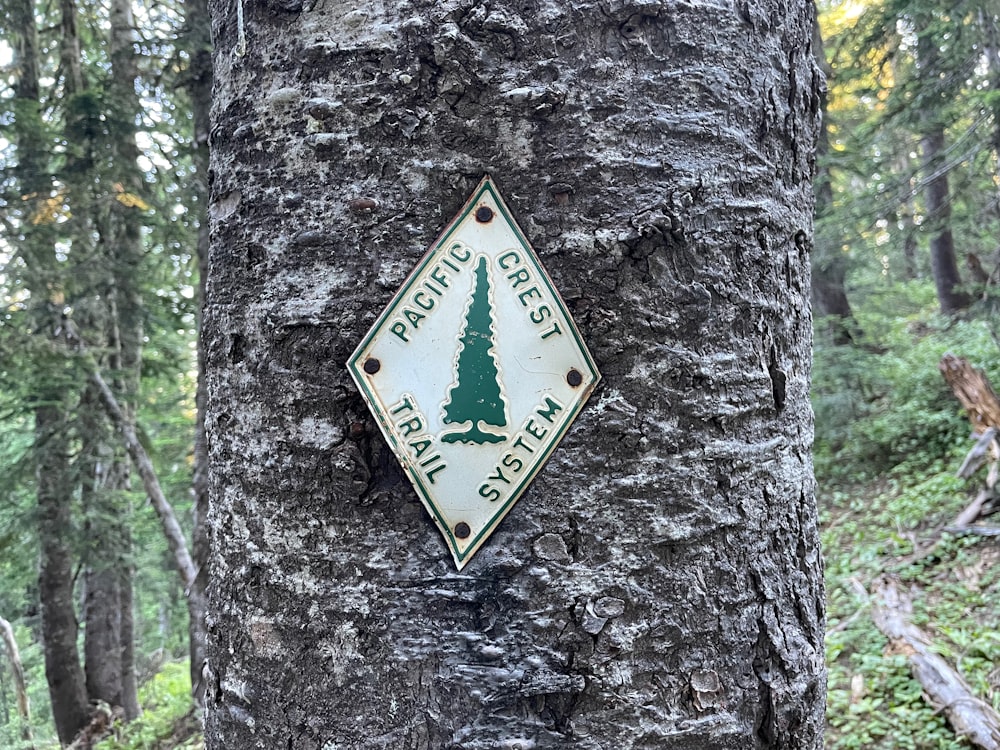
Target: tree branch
<point>23,707</point>
<point>970,716</point>
<point>171,528</point>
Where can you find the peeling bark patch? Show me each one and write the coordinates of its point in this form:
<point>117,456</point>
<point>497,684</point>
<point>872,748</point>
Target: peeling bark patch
<point>706,689</point>
<point>225,206</point>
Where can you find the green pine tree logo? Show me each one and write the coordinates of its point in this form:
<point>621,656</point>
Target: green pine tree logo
<point>476,395</point>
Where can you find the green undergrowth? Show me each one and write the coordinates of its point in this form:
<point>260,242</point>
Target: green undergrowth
<point>890,436</point>
<point>167,722</point>
<point>873,702</point>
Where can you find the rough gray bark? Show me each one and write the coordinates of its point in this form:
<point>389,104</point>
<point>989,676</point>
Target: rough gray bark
<point>198,44</point>
<point>659,585</point>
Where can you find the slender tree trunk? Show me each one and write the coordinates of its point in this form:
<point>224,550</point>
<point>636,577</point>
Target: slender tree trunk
<point>101,612</point>
<point>59,626</point>
<point>63,672</point>
<point>911,267</point>
<point>20,687</point>
<point>197,41</point>
<point>121,246</point>
<point>144,466</point>
<point>102,635</point>
<point>829,263</point>
<point>69,49</point>
<point>130,682</point>
<point>944,266</point>
<point>989,25</point>
<point>830,298</point>
<point>659,586</point>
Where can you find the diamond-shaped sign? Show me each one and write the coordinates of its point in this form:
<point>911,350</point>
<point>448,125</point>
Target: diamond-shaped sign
<point>474,371</point>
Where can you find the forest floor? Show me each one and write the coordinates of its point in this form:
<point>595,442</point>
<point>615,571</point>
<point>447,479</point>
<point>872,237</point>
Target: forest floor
<point>892,529</point>
<point>889,529</point>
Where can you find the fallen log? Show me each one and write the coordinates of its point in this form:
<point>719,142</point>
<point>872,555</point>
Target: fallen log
<point>972,388</point>
<point>977,530</point>
<point>982,405</point>
<point>984,450</point>
<point>973,510</point>
<point>944,688</point>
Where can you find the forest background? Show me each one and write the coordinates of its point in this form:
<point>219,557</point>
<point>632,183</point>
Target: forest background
<point>103,138</point>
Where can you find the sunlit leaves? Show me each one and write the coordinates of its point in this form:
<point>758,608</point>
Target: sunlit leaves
<point>46,209</point>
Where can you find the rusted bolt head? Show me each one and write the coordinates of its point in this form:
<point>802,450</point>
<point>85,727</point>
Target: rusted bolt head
<point>484,214</point>
<point>362,205</point>
<point>372,365</point>
<point>356,431</point>
<point>462,530</point>
<point>574,378</point>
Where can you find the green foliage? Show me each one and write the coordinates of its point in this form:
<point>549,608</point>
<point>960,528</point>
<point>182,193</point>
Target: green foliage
<point>33,662</point>
<point>889,437</point>
<point>884,405</point>
<point>873,702</point>
<point>87,221</point>
<point>167,721</point>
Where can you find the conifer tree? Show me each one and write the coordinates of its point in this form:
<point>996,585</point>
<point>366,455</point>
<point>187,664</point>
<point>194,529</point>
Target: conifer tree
<point>660,584</point>
<point>476,395</point>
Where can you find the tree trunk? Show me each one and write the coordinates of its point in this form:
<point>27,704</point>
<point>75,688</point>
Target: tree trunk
<point>102,555</point>
<point>102,635</point>
<point>830,298</point>
<point>67,688</point>
<point>944,266</point>
<point>972,388</point>
<point>198,43</point>
<point>972,718</point>
<point>144,466</point>
<point>911,267</point>
<point>120,243</point>
<point>988,21</point>
<point>829,263</point>
<point>59,626</point>
<point>659,585</point>
<point>130,681</point>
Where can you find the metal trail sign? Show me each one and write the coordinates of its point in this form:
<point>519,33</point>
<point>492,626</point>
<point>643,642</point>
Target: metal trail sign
<point>474,371</point>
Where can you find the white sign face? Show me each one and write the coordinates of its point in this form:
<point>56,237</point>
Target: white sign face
<point>474,371</point>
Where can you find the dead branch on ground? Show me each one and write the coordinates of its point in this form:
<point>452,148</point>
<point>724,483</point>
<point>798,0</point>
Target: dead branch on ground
<point>944,688</point>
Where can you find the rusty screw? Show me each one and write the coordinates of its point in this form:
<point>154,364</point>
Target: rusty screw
<point>362,205</point>
<point>372,365</point>
<point>484,214</point>
<point>462,530</point>
<point>574,378</point>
